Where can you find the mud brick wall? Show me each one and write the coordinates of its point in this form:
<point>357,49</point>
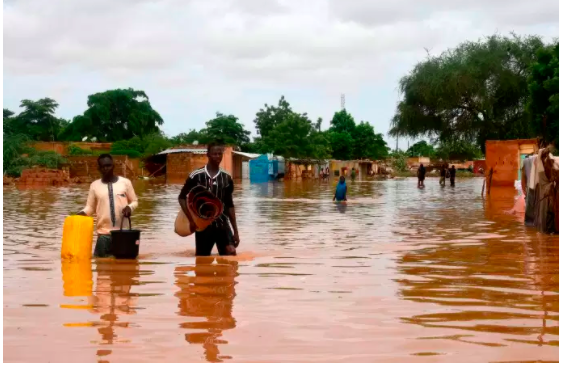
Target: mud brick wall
<point>86,167</point>
<point>62,147</point>
<point>180,165</point>
<point>504,158</point>
<point>43,177</point>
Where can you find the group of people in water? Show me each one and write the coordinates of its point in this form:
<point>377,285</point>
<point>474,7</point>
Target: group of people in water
<point>444,171</point>
<point>112,198</point>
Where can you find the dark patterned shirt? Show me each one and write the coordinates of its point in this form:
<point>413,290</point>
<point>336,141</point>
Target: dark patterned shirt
<point>221,185</point>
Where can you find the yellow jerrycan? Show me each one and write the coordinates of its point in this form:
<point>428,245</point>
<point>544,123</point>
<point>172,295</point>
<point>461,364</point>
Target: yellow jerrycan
<point>77,236</point>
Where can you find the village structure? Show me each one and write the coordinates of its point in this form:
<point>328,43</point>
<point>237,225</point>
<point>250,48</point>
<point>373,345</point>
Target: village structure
<point>174,164</point>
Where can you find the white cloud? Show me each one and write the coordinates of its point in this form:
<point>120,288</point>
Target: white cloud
<point>194,58</point>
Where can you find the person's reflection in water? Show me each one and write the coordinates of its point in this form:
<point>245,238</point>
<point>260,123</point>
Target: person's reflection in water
<point>342,207</point>
<point>112,297</point>
<point>207,291</point>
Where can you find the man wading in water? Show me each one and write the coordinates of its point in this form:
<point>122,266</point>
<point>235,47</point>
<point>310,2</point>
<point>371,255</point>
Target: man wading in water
<point>218,182</point>
<point>110,198</point>
<point>421,176</point>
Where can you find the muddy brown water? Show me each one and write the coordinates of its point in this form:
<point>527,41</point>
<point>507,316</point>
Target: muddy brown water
<point>398,274</point>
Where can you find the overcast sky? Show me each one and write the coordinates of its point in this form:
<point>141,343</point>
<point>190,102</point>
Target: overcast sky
<point>194,58</point>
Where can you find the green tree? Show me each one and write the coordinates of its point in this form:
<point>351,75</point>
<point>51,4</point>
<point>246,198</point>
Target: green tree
<point>421,148</point>
<point>37,120</point>
<point>342,122</point>
<point>267,119</point>
<point>115,115</point>
<point>10,127</point>
<point>458,150</point>
<point>342,128</point>
<point>226,129</point>
<point>543,89</point>
<point>189,138</point>
<point>318,125</point>
<point>341,144</point>
<point>295,137</point>
<point>367,144</point>
<point>474,92</point>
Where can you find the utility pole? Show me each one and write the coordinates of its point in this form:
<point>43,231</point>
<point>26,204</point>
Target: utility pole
<point>342,101</point>
<point>396,143</point>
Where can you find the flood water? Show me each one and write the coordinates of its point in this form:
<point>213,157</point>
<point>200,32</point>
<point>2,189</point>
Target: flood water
<point>398,274</point>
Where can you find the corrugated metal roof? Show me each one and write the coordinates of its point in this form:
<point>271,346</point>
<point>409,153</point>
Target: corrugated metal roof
<point>197,151</point>
<point>246,154</point>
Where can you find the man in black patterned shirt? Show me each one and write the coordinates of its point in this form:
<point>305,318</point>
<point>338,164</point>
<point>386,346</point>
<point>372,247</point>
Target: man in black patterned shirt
<point>220,183</point>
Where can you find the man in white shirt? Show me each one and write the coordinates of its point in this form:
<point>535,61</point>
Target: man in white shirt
<point>111,198</point>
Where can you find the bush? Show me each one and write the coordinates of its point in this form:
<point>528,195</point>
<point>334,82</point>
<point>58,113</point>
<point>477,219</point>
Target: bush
<point>49,159</point>
<point>399,161</point>
<point>129,153</point>
<point>150,145</point>
<point>18,156</point>
<point>74,150</point>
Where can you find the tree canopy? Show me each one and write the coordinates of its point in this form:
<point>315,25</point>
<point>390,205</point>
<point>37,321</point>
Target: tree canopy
<point>226,129</point>
<point>350,141</point>
<point>543,99</point>
<point>474,92</point>
<point>267,119</point>
<point>421,148</point>
<point>37,120</point>
<point>115,115</point>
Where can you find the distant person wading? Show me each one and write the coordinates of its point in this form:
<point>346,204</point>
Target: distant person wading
<point>341,191</point>
<point>452,175</point>
<point>421,176</point>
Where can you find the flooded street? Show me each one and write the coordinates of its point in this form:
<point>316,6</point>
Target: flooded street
<point>396,275</point>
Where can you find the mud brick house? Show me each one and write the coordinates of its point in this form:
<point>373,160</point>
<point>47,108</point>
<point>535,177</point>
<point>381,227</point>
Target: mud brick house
<point>180,161</point>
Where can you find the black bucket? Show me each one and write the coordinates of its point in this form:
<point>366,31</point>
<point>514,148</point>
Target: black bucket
<point>125,243</point>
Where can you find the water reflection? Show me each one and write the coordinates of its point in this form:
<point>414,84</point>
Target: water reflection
<point>341,207</point>
<point>113,299</point>
<point>501,292</point>
<point>207,294</point>
<point>77,278</point>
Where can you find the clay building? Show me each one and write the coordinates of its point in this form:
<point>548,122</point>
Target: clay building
<point>506,157</point>
<point>180,161</point>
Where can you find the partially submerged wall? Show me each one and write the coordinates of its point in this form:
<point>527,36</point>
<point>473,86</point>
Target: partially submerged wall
<point>43,177</point>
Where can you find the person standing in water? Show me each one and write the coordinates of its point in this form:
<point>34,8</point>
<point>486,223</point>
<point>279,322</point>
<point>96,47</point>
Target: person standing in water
<point>220,183</point>
<point>111,199</point>
<point>341,191</point>
<point>452,175</point>
<point>421,176</point>
<point>443,173</point>
<point>353,174</point>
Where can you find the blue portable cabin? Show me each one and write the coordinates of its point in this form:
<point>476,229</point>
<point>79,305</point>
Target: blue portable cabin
<point>259,169</point>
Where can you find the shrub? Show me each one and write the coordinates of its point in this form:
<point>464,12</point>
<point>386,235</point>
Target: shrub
<point>18,156</point>
<point>129,153</point>
<point>74,150</point>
